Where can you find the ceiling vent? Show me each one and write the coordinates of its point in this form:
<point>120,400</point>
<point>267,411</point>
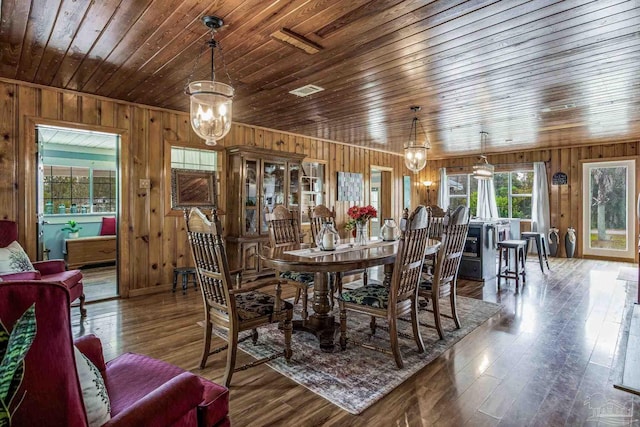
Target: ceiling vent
<point>306,90</point>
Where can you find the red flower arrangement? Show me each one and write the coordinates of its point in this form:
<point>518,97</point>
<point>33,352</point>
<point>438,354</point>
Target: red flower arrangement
<point>362,214</point>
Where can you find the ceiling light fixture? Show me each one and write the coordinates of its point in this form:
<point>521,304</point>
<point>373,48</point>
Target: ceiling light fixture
<point>211,101</point>
<point>415,154</point>
<point>483,169</point>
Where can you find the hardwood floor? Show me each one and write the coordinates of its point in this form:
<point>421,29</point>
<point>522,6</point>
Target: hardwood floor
<point>548,358</point>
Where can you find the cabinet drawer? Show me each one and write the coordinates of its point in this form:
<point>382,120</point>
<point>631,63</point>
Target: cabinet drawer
<point>471,268</point>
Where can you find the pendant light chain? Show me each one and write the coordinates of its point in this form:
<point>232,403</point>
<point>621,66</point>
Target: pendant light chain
<point>224,64</point>
<point>193,69</point>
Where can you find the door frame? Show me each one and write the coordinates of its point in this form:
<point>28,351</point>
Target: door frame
<point>27,169</point>
<point>631,200</point>
<point>383,171</point>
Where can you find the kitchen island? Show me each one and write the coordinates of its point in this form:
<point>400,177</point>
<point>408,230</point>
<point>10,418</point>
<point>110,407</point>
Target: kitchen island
<point>479,258</point>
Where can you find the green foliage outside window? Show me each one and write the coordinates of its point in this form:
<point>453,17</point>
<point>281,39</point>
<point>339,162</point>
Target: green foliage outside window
<point>512,188</point>
<point>68,186</point>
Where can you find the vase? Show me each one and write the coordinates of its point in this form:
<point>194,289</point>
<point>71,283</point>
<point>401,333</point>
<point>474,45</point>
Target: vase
<point>554,241</point>
<point>570,242</point>
<point>361,234</point>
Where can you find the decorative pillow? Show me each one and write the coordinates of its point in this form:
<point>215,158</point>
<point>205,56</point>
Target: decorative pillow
<point>94,392</point>
<point>108,226</point>
<point>13,259</point>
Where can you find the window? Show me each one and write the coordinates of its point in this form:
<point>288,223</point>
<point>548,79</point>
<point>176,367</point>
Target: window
<point>69,189</point>
<point>312,187</point>
<point>513,193</point>
<point>463,191</point>
<point>190,158</point>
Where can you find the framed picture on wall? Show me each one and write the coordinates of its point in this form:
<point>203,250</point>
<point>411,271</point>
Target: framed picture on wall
<point>193,188</point>
<point>350,187</point>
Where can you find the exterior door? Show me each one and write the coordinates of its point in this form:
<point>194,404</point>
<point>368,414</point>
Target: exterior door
<point>608,211</point>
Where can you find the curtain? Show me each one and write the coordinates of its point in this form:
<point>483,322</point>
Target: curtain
<point>487,207</point>
<point>540,221</point>
<point>443,191</point>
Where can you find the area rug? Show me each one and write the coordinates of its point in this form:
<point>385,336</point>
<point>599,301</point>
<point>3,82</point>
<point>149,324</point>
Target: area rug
<point>356,378</point>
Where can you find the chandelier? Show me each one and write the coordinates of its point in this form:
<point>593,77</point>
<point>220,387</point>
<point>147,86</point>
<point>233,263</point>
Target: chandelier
<point>483,169</point>
<point>211,101</point>
<point>415,155</point>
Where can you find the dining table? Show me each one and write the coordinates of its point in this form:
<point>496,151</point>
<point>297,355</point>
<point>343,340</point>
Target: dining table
<point>299,257</point>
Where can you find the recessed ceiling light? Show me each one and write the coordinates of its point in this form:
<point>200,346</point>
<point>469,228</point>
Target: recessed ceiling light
<point>306,90</point>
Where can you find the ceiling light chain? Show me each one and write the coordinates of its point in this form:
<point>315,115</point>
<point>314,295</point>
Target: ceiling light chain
<point>415,155</point>
<point>211,101</point>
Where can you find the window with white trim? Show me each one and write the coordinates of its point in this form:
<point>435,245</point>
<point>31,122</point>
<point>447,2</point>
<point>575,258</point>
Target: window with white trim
<point>513,193</point>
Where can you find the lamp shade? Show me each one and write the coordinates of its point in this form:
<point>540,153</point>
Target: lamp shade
<point>483,169</point>
<point>211,109</point>
<point>415,157</point>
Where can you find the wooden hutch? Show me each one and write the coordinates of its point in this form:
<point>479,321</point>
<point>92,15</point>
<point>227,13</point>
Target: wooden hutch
<point>257,181</point>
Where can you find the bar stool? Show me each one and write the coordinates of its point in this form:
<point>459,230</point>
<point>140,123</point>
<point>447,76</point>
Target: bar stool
<point>541,246</point>
<point>187,273</point>
<point>504,248</point>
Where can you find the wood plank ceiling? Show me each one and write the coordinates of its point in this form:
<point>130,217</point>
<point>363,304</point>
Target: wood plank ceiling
<point>531,73</point>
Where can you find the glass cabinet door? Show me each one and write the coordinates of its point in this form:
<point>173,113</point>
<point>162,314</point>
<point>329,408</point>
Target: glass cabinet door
<point>251,197</point>
<point>294,187</point>
<point>273,189</point>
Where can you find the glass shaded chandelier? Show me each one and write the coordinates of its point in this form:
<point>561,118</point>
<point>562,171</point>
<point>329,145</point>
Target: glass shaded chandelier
<point>211,101</point>
<point>483,169</point>
<point>415,154</point>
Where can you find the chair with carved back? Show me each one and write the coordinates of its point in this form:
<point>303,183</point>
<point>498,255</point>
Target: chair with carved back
<point>436,228</point>
<point>284,230</point>
<point>318,216</point>
<point>232,309</point>
<point>443,282</point>
<point>397,297</point>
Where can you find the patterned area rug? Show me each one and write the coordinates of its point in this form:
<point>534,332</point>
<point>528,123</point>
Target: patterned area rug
<point>356,378</point>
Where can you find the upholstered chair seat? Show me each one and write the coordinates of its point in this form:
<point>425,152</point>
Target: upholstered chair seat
<point>372,295</point>
<point>253,305</point>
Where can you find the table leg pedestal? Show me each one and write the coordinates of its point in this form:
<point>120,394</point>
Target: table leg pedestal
<point>320,323</point>
<point>323,327</point>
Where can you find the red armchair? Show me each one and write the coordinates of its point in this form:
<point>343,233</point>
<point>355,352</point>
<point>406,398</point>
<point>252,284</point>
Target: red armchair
<point>142,391</point>
<point>50,271</point>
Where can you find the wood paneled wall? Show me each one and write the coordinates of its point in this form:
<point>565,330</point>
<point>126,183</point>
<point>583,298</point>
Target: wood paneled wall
<point>565,200</point>
<point>151,237</point>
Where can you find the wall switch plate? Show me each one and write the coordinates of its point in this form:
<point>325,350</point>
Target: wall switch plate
<point>145,183</point>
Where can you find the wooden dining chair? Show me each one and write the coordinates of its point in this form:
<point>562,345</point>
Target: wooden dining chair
<point>284,230</point>
<point>318,216</point>
<point>436,225</point>
<point>233,310</point>
<point>436,228</point>
<point>443,282</point>
<point>399,296</point>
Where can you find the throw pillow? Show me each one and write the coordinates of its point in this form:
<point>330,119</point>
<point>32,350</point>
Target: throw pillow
<point>94,391</point>
<point>13,259</point>
<point>108,226</point>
